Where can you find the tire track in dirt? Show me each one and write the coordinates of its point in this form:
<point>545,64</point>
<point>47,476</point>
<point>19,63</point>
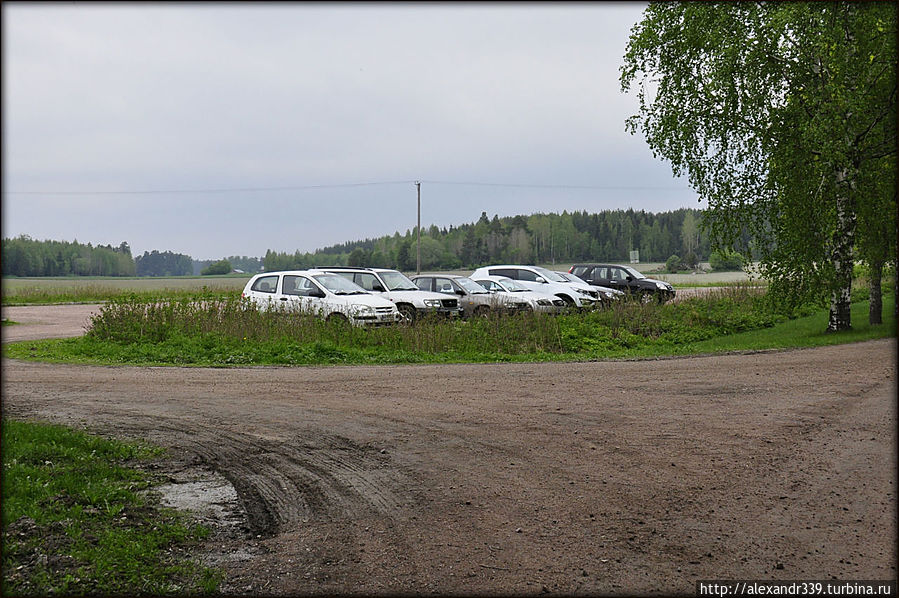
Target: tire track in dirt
<point>319,478</point>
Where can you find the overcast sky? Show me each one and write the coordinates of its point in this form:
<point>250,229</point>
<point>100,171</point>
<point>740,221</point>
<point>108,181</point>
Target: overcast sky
<point>265,123</point>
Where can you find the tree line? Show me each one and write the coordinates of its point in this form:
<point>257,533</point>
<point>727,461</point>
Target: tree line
<point>539,238</point>
<point>24,256</point>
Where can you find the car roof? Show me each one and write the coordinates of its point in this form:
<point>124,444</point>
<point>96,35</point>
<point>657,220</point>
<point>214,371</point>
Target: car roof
<point>356,269</point>
<point>307,272</point>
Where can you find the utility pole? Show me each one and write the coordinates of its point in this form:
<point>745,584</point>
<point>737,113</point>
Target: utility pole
<point>418,229</point>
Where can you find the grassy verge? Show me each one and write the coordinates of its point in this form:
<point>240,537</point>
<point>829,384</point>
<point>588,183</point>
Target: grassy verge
<point>223,333</point>
<point>77,520</point>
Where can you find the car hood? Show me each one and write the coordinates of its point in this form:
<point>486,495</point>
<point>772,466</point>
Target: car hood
<point>420,295</point>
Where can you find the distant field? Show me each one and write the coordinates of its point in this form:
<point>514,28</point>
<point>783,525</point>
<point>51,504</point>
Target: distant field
<point>113,285</point>
<point>12,285</point>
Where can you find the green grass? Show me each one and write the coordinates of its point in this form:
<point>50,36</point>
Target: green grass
<point>97,293</point>
<point>78,519</point>
<point>228,332</point>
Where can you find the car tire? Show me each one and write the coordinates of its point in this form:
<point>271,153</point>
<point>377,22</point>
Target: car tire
<point>569,302</point>
<point>407,311</point>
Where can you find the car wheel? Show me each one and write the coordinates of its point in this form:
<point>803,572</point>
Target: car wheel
<point>569,302</point>
<point>646,297</point>
<point>407,311</point>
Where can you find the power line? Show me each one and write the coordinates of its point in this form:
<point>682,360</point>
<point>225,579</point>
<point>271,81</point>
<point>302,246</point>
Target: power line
<point>530,186</point>
<point>347,185</point>
<point>220,190</point>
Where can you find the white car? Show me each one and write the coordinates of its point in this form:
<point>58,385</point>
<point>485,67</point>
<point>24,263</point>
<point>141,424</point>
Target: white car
<point>543,281</point>
<point>394,286</point>
<point>506,287</point>
<point>605,293</point>
<point>321,293</point>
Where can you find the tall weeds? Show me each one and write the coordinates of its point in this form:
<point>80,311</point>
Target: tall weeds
<point>231,330</point>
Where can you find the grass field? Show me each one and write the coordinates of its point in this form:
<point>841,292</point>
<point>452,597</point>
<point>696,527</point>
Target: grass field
<point>78,519</point>
<point>227,332</point>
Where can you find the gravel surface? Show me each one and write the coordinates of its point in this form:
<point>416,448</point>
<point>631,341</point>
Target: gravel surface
<point>592,478</point>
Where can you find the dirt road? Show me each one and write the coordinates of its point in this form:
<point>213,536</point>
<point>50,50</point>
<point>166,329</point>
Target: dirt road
<point>591,478</point>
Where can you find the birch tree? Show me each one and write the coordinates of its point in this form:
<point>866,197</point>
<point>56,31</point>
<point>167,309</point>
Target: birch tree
<point>777,113</point>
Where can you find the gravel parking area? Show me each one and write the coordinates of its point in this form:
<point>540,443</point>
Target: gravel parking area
<point>577,478</point>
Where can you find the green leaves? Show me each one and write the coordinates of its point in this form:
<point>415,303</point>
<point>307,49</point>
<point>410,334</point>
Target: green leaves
<point>778,113</point>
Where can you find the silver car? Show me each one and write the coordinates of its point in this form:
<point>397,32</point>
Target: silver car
<point>540,302</point>
<point>474,299</point>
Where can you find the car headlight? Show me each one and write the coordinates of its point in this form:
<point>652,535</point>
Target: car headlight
<point>365,310</point>
<point>609,294</point>
<point>432,302</point>
<point>662,286</point>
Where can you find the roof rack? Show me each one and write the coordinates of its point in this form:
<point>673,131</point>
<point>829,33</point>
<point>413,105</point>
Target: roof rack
<point>340,268</point>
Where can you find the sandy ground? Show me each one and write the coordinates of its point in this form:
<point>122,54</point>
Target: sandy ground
<point>590,478</point>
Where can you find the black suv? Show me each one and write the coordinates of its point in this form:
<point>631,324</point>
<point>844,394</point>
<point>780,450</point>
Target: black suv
<point>624,278</point>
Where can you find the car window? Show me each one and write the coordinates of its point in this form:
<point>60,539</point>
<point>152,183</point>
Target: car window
<point>265,284</point>
<point>347,275</point>
<point>580,271</point>
<point>470,285</point>
<point>507,272</point>
<point>489,285</point>
<point>298,285</point>
<point>444,285</point>
<point>397,281</point>
<point>423,283</point>
<point>366,281</point>
<point>526,275</point>
<point>618,274</point>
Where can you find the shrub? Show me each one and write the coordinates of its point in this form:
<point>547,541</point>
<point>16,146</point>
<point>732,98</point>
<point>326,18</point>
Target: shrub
<point>673,264</point>
<point>219,267</point>
<point>691,260</point>
<point>722,261</point>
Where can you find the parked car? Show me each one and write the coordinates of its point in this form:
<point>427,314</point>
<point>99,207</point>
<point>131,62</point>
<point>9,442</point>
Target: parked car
<point>626,279</point>
<point>606,294</point>
<point>321,293</point>
<point>475,299</point>
<point>396,287</point>
<point>502,285</point>
<point>543,281</point>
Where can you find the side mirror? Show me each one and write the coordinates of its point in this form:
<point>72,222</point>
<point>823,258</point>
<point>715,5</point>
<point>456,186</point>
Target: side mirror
<point>540,279</point>
<point>317,293</point>
<point>377,288</point>
<point>630,279</point>
<point>460,292</point>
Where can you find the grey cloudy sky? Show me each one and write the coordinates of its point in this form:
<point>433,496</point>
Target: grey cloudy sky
<point>287,107</point>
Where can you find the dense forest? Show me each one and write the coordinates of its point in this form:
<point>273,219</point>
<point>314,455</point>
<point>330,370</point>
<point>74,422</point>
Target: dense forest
<point>24,256</point>
<point>167,263</point>
<point>538,238</point>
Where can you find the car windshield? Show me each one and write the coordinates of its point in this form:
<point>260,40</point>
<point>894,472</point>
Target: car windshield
<point>397,281</point>
<point>338,284</point>
<point>634,273</point>
<point>548,274</point>
<point>471,286</point>
<point>513,286</point>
